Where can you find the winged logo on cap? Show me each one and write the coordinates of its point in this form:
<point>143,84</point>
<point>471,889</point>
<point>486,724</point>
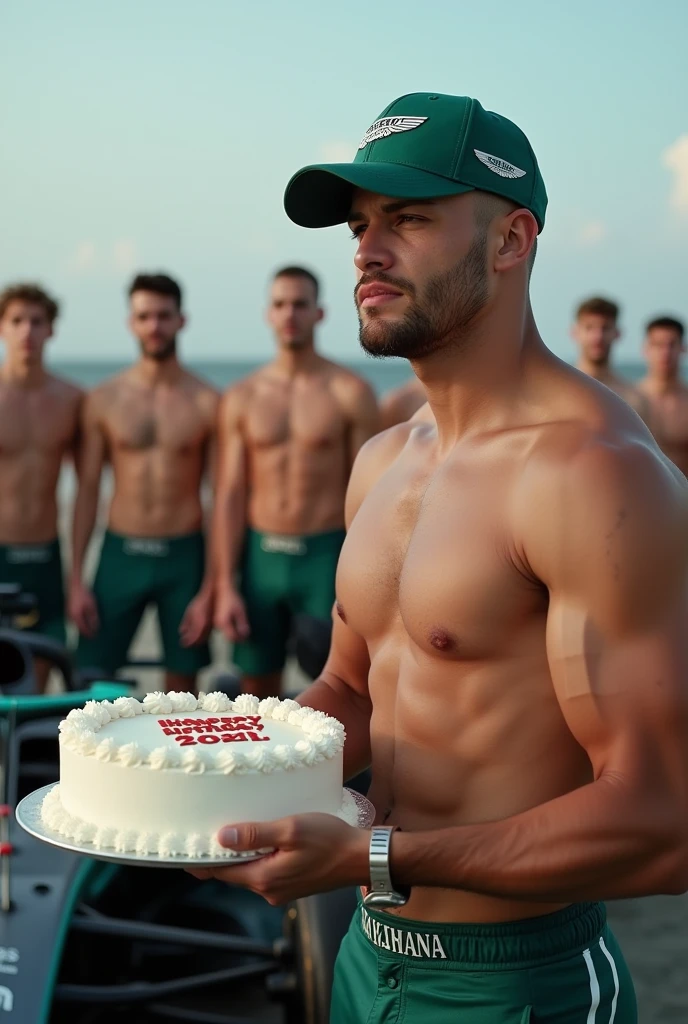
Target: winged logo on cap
<point>388,126</point>
<point>501,167</point>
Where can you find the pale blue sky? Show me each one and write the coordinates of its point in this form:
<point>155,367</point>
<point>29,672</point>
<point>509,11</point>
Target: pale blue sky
<point>161,133</point>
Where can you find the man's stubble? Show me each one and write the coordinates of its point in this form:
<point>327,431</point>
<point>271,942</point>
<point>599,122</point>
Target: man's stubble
<point>448,307</point>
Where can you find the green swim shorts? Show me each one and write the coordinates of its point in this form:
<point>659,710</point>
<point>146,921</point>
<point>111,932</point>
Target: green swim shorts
<point>135,572</point>
<point>562,968</point>
<point>37,568</point>
<point>283,576</point>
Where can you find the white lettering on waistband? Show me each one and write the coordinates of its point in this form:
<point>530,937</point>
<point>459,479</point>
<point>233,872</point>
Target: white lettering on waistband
<point>274,543</point>
<point>28,554</point>
<point>398,940</point>
<point>146,546</point>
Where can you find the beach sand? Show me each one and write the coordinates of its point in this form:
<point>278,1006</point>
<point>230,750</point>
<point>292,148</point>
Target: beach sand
<point>652,932</point>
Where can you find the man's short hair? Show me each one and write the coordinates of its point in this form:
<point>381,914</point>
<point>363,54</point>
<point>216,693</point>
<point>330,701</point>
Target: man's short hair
<point>299,272</point>
<point>159,284</point>
<point>25,292</point>
<point>597,306</point>
<point>668,323</point>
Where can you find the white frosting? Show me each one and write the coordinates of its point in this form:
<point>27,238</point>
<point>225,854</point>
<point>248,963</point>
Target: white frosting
<point>79,729</point>
<point>162,776</point>
<point>246,704</point>
<point>182,701</point>
<point>128,707</point>
<point>157,703</point>
<point>217,702</point>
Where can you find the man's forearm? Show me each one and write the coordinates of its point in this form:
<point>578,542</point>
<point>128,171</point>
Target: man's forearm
<point>229,530</point>
<point>602,841</point>
<point>85,512</point>
<point>335,698</point>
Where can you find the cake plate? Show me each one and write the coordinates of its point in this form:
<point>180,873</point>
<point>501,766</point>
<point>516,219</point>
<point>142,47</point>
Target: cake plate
<point>355,810</point>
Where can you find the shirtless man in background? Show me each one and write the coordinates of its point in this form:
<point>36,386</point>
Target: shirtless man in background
<point>39,427</point>
<point>664,389</point>
<point>509,647</point>
<point>595,330</point>
<point>154,423</point>
<point>288,437</point>
<point>400,404</point>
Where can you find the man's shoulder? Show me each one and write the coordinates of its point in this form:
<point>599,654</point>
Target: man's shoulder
<point>99,399</point>
<point>65,391</point>
<point>347,384</point>
<point>236,397</point>
<point>202,392</point>
<point>402,402</point>
<point>585,475</point>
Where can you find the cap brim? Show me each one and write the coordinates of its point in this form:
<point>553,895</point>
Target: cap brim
<point>319,196</point>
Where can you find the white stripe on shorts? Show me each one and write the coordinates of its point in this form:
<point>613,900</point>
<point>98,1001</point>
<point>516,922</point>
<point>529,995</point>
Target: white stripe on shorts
<point>615,975</point>
<point>594,988</point>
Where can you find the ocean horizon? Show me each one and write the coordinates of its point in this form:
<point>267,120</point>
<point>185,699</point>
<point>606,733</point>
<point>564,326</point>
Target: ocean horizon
<point>382,374</point>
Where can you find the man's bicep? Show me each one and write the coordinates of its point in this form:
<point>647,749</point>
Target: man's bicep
<point>622,692</point>
<point>617,641</point>
<point>91,452</point>
<point>231,449</point>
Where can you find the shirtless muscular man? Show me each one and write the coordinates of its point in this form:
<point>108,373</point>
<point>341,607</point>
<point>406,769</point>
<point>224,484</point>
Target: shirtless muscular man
<point>155,424</point>
<point>509,648</point>
<point>289,434</point>
<point>39,427</point>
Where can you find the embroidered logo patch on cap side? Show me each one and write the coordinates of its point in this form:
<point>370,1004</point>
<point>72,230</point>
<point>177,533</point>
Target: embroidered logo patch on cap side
<point>388,126</point>
<point>501,167</point>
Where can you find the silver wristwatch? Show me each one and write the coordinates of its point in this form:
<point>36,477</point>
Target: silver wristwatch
<point>382,893</point>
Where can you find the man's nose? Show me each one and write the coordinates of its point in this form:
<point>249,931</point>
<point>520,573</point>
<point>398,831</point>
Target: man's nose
<point>374,252</point>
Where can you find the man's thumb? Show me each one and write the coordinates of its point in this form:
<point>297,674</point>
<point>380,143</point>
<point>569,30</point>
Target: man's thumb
<point>254,836</point>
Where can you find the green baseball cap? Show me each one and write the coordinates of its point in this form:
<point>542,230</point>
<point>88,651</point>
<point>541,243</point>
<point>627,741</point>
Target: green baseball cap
<point>422,146</point>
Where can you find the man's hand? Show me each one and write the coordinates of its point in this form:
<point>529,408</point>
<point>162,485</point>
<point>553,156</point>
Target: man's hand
<point>230,616</point>
<point>312,853</point>
<point>83,610</point>
<point>198,619</point>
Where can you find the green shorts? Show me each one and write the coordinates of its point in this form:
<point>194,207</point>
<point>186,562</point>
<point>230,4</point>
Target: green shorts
<point>563,968</point>
<point>283,576</point>
<point>37,568</point>
<point>135,572</point>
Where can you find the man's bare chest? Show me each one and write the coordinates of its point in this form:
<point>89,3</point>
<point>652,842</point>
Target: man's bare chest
<point>309,419</point>
<point>174,426</point>
<point>27,424</point>
<point>442,566</point>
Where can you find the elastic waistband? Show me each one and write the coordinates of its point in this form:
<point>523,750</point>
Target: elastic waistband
<point>515,943</point>
<point>153,547</point>
<point>30,554</point>
<point>296,544</point>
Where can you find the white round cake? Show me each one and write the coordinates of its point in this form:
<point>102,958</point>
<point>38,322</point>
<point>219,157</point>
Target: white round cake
<point>161,776</point>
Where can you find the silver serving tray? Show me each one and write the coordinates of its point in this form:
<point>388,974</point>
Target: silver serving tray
<point>355,809</point>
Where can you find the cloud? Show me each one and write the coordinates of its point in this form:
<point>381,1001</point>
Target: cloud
<point>125,255</point>
<point>83,259</point>
<point>339,152</point>
<point>675,157</point>
<point>592,232</point>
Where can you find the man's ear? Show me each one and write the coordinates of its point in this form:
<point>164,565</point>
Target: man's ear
<point>518,231</point>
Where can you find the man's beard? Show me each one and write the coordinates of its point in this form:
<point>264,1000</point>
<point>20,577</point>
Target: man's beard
<point>450,303</point>
<point>161,355</point>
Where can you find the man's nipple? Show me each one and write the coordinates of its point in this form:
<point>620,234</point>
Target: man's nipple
<point>440,639</point>
<point>340,612</point>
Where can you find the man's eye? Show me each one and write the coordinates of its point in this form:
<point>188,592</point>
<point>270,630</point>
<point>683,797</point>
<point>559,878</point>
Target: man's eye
<point>357,232</point>
<point>409,216</point>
